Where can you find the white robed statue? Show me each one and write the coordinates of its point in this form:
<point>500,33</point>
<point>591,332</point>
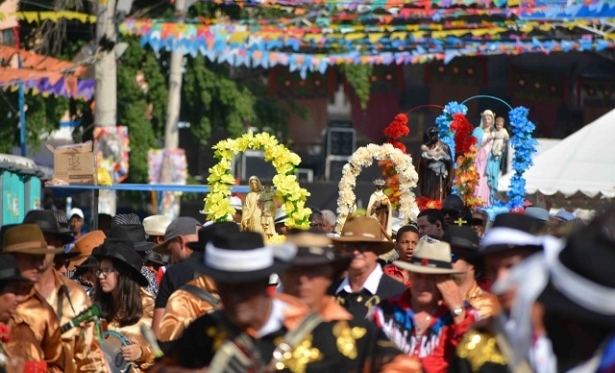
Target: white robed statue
<point>379,207</point>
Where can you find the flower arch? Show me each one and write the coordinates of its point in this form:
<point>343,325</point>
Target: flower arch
<point>220,180</point>
<point>364,157</point>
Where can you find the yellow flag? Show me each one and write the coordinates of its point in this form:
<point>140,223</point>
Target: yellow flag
<point>375,37</point>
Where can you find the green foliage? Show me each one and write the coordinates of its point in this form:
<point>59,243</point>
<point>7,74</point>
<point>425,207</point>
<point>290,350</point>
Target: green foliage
<point>358,77</point>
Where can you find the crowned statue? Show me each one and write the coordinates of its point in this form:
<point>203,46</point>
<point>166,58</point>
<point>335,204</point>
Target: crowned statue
<point>379,207</point>
<point>251,214</point>
<point>435,167</point>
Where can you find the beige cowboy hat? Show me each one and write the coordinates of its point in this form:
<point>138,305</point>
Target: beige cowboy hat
<point>26,239</point>
<point>84,246</point>
<point>364,229</point>
<point>431,257</point>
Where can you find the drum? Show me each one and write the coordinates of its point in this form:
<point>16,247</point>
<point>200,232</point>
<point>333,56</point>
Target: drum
<point>112,343</point>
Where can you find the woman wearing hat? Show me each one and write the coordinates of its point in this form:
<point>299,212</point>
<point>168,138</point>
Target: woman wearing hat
<point>428,320</point>
<point>125,305</point>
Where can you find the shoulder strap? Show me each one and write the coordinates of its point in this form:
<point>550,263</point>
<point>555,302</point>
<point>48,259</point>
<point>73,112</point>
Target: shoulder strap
<point>201,294</point>
<point>294,337</point>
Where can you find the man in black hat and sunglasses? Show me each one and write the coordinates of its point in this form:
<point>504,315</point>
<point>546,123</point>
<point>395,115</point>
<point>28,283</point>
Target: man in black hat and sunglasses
<point>512,239</point>
<point>465,258</point>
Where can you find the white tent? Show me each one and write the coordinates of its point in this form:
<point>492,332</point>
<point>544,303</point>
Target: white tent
<point>584,162</point>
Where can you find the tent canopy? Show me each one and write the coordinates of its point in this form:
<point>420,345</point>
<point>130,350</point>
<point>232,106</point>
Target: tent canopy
<point>584,162</point>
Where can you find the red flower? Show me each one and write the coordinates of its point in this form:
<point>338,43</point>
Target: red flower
<point>424,262</point>
<point>463,134</point>
<point>4,333</point>
<point>399,145</point>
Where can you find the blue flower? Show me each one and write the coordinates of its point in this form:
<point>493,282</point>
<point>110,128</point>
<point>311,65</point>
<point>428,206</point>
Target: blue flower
<point>444,121</point>
<point>525,146</point>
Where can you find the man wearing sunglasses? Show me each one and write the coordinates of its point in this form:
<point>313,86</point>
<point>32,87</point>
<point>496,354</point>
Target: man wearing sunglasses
<point>452,209</point>
<point>465,258</point>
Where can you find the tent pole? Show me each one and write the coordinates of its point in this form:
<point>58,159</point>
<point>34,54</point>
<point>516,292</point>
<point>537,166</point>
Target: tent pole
<point>94,210</point>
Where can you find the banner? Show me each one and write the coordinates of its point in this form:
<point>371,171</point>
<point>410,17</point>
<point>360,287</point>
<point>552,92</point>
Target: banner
<point>112,147</point>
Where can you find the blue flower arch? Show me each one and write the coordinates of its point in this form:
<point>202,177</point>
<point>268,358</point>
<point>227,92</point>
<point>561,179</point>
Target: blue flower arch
<point>521,141</point>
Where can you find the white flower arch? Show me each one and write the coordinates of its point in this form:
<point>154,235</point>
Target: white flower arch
<point>364,157</point>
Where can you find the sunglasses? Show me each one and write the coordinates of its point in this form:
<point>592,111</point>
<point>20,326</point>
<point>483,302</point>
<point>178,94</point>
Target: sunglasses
<point>450,212</point>
<point>454,258</point>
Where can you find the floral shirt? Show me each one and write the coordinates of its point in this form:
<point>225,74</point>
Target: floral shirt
<point>435,348</point>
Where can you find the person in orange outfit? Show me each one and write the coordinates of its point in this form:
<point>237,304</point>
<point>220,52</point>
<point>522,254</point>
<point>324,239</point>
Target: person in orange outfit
<point>27,245</point>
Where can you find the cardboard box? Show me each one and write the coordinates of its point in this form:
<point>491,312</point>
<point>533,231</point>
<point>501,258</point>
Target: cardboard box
<point>75,164</point>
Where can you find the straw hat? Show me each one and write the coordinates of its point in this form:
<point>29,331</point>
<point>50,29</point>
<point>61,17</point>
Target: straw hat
<point>364,229</point>
<point>26,239</point>
<point>431,256</point>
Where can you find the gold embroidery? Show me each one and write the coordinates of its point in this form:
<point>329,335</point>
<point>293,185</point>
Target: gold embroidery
<point>479,349</point>
<point>340,300</point>
<point>302,355</point>
<point>218,337</point>
<point>372,302</point>
<point>347,337</point>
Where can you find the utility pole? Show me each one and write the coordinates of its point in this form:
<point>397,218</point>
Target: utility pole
<point>171,129</point>
<point>105,94</point>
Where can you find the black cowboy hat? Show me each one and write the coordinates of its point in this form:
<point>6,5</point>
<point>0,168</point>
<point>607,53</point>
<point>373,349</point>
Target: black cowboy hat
<point>90,262</point>
<point>588,254</point>
<point>243,258</point>
<point>155,258</point>
<point>134,233</point>
<point>512,231</point>
<point>9,271</point>
<point>208,232</point>
<point>122,250</point>
<point>461,237</point>
<point>315,249</point>
<point>47,222</point>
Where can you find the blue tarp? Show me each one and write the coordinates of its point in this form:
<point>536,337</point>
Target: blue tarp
<point>63,191</point>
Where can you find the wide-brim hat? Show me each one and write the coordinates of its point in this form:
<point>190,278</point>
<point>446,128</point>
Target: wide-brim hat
<point>581,284</point>
<point>121,250</point>
<point>512,231</point>
<point>431,256</point>
<point>315,250</point>
<point>156,225</point>
<point>244,258</point>
<point>26,239</point>
<point>85,245</point>
<point>90,262</point>
<point>155,258</point>
<point>364,229</point>
<point>209,231</point>
<point>134,233</point>
<point>461,237</point>
<point>9,270</point>
<point>47,222</point>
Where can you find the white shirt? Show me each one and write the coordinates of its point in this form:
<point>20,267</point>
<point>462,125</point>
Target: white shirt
<point>275,321</point>
<point>371,284</point>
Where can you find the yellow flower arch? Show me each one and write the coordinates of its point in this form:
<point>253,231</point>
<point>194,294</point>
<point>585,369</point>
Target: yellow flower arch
<point>220,180</point>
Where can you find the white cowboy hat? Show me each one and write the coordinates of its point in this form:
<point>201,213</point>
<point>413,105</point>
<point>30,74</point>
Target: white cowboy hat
<point>431,256</point>
<point>156,225</point>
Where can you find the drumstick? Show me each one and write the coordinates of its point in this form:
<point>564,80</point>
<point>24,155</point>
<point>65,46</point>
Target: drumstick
<point>150,338</point>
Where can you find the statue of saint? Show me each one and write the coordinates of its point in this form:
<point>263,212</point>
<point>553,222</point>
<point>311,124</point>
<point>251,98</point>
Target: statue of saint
<point>494,163</point>
<point>484,137</point>
<point>379,207</point>
<point>267,206</point>
<point>251,216</point>
<point>435,167</point>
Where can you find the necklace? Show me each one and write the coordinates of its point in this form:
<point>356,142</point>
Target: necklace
<point>422,326</point>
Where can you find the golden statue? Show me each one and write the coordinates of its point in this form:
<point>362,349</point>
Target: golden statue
<point>251,215</point>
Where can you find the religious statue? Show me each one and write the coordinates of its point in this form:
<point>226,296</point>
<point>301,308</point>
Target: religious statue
<point>379,207</point>
<point>435,167</point>
<point>267,207</point>
<point>484,137</point>
<point>251,216</point>
<point>494,164</point>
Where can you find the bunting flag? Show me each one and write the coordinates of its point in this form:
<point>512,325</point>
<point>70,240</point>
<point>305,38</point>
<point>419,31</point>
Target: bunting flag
<point>389,4</point>
<point>47,83</point>
<point>54,16</point>
<point>304,63</point>
<point>30,60</point>
<point>216,38</point>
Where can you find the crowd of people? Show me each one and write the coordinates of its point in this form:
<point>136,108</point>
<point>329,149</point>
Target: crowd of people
<point>451,292</point>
